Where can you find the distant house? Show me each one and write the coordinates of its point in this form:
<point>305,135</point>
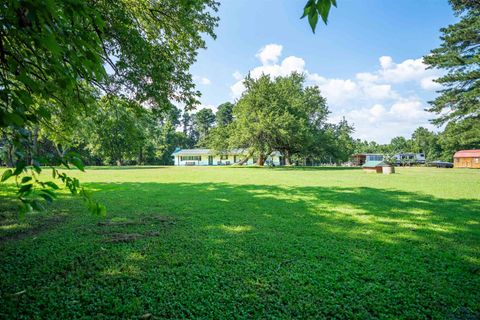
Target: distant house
<point>360,159</point>
<point>209,157</point>
<point>467,159</point>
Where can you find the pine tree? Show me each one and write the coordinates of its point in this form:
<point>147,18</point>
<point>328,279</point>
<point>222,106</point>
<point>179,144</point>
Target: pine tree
<point>459,55</point>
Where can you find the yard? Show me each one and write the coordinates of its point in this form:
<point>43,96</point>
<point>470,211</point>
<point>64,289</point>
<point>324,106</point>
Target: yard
<point>200,242</point>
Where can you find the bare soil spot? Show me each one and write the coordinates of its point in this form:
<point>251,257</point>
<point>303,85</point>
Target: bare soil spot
<point>38,226</point>
<point>123,237</point>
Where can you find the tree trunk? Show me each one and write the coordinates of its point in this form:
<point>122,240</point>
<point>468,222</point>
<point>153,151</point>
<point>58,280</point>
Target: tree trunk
<point>288,162</point>
<point>119,162</point>
<point>261,160</point>
<point>34,152</point>
<point>60,151</point>
<point>243,161</point>
<point>10,156</point>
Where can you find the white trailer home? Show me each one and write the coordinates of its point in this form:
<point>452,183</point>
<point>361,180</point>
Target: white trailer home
<point>209,157</point>
<point>410,158</point>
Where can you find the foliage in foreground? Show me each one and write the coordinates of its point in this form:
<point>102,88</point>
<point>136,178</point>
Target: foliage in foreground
<point>54,56</point>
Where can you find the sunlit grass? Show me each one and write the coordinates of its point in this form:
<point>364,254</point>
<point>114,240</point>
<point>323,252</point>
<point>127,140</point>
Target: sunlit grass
<point>250,243</point>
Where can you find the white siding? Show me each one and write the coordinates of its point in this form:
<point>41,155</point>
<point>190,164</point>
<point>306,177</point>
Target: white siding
<point>217,161</point>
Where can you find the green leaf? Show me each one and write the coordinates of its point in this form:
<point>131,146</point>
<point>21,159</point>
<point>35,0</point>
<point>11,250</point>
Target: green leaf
<point>323,6</point>
<point>20,166</point>
<point>25,188</point>
<point>7,174</point>
<point>52,185</point>
<point>77,162</point>
<point>37,168</point>
<point>49,192</point>
<point>26,179</point>
<point>309,6</point>
<point>25,208</point>
<point>334,2</point>
<point>14,118</point>
<point>47,197</point>
<point>37,205</point>
<point>313,19</point>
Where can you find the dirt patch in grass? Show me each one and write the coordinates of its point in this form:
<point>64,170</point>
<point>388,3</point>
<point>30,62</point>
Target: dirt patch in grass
<point>142,221</point>
<point>122,237</point>
<point>34,228</point>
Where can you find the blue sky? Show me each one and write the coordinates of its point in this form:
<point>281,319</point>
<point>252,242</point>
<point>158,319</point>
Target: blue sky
<point>366,61</point>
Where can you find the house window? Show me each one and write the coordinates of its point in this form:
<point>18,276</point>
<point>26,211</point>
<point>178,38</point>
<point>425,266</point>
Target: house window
<point>190,158</point>
<point>224,157</point>
<point>374,157</point>
<point>477,160</point>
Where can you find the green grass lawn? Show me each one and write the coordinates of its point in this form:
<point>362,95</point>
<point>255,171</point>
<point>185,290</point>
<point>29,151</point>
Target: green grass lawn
<point>226,243</point>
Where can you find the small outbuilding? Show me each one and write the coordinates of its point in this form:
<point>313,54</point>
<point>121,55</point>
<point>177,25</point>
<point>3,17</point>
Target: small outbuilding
<point>374,166</point>
<point>467,159</point>
<point>359,159</point>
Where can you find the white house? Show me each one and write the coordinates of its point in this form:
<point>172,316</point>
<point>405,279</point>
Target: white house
<point>209,157</point>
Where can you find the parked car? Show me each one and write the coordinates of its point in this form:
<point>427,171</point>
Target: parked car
<point>441,164</point>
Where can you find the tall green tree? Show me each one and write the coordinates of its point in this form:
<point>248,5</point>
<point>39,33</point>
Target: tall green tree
<point>276,114</point>
<point>224,114</point>
<point>203,122</point>
<point>399,144</point>
<point>426,142</point>
<point>459,55</point>
<point>118,135</point>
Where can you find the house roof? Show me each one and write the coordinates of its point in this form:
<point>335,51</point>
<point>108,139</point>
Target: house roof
<point>194,152</point>
<point>373,164</point>
<point>467,153</point>
<point>366,154</point>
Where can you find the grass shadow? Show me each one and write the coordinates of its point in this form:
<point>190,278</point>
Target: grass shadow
<point>247,251</point>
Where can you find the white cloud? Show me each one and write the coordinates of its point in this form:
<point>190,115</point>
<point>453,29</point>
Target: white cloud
<point>237,88</point>
<point>381,104</point>
<point>386,62</point>
<point>237,75</point>
<point>205,81</point>
<point>287,66</point>
<point>381,124</point>
<point>205,106</point>
<point>428,84</point>
<point>367,77</point>
<point>338,91</point>
<point>270,53</point>
<point>378,91</point>
<point>407,70</point>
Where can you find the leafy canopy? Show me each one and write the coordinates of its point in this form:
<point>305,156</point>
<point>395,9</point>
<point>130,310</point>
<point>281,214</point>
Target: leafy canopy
<point>53,51</point>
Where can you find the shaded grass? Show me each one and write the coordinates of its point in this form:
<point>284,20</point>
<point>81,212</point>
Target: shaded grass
<point>256,243</point>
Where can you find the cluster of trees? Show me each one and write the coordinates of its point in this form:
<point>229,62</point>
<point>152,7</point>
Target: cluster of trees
<point>282,114</point>
<point>435,146</point>
<point>115,131</point>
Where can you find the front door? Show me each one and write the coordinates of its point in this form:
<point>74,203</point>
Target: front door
<point>210,160</point>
